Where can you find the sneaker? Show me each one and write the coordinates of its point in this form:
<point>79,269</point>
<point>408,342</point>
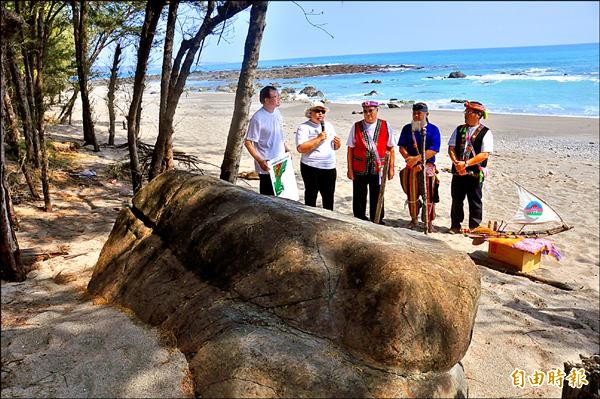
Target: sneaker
<point>454,230</point>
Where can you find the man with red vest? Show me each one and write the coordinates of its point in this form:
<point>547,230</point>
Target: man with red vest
<point>469,147</point>
<point>368,141</point>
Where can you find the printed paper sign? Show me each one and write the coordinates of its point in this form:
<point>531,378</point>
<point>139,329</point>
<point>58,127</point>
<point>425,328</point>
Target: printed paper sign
<point>283,178</point>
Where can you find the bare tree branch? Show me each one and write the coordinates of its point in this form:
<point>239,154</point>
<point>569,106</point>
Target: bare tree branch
<point>318,26</point>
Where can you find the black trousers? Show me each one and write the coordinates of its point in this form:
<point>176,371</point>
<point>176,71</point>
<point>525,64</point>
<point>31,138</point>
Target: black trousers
<point>265,187</point>
<point>470,187</point>
<point>360,185</point>
<point>318,181</point>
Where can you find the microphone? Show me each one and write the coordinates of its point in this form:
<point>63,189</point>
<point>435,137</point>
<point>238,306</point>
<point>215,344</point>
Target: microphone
<point>322,126</point>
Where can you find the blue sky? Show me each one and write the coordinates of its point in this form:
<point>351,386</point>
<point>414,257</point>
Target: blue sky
<point>378,27</point>
<point>361,27</point>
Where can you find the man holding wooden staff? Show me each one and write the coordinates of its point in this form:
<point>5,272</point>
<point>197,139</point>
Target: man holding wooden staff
<point>368,142</point>
<point>411,178</point>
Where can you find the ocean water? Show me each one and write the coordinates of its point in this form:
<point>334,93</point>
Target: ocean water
<point>543,80</point>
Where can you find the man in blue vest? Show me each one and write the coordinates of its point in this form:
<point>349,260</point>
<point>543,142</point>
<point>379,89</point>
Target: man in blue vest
<point>469,147</point>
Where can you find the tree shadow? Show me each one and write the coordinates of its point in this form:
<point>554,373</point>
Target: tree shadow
<point>56,343</point>
<point>581,321</point>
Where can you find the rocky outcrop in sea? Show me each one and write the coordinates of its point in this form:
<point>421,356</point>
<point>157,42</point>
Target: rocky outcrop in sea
<point>297,72</point>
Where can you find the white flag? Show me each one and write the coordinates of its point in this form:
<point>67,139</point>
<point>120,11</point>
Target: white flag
<point>533,210</point>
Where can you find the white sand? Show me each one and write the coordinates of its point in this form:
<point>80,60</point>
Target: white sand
<point>520,323</point>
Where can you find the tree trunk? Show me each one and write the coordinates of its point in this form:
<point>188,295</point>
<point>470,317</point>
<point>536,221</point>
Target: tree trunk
<point>27,54</point>
<point>11,267</point>
<point>13,141</point>
<point>138,117</point>
<point>165,126</point>
<point>80,27</point>
<point>29,102</point>
<point>110,96</point>
<point>22,107</point>
<point>67,111</point>
<point>10,256</point>
<point>25,170</point>
<point>180,71</point>
<point>244,92</point>
<point>153,10</point>
<point>12,137</point>
<point>40,106</point>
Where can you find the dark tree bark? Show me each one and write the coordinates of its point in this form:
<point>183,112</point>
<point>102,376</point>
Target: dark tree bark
<point>138,117</point>
<point>12,140</point>
<point>29,179</point>
<point>11,267</point>
<point>158,163</point>
<point>153,10</point>
<point>10,257</point>
<point>244,92</point>
<point>12,135</point>
<point>110,96</point>
<point>80,28</point>
<point>42,31</point>
<point>31,146</point>
<point>23,110</point>
<point>180,71</point>
<point>29,91</point>
<point>67,111</point>
<point>27,53</point>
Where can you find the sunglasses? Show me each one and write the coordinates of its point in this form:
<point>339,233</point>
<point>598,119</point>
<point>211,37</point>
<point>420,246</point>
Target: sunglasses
<point>319,111</point>
<point>369,111</point>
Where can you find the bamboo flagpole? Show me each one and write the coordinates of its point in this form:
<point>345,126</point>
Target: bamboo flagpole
<point>383,177</point>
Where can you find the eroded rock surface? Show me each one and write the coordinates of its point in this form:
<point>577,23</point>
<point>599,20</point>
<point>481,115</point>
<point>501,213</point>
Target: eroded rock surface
<point>268,298</point>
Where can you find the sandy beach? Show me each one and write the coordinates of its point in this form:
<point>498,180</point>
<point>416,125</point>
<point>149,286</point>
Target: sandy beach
<point>520,324</point>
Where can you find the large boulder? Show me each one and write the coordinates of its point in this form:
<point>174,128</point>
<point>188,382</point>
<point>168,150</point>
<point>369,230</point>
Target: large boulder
<point>310,91</point>
<point>266,297</point>
<point>456,75</point>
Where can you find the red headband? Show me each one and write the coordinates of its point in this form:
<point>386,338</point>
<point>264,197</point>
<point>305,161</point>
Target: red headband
<point>475,105</point>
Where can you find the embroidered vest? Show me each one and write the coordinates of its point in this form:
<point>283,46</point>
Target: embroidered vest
<point>476,142</point>
<point>364,160</point>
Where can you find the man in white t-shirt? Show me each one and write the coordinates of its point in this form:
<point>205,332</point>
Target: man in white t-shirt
<point>469,147</point>
<point>264,138</point>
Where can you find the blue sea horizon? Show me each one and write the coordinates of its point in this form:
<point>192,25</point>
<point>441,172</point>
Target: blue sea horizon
<point>559,80</point>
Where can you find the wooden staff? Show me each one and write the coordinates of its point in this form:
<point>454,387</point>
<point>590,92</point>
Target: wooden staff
<point>386,167</point>
<point>424,157</point>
